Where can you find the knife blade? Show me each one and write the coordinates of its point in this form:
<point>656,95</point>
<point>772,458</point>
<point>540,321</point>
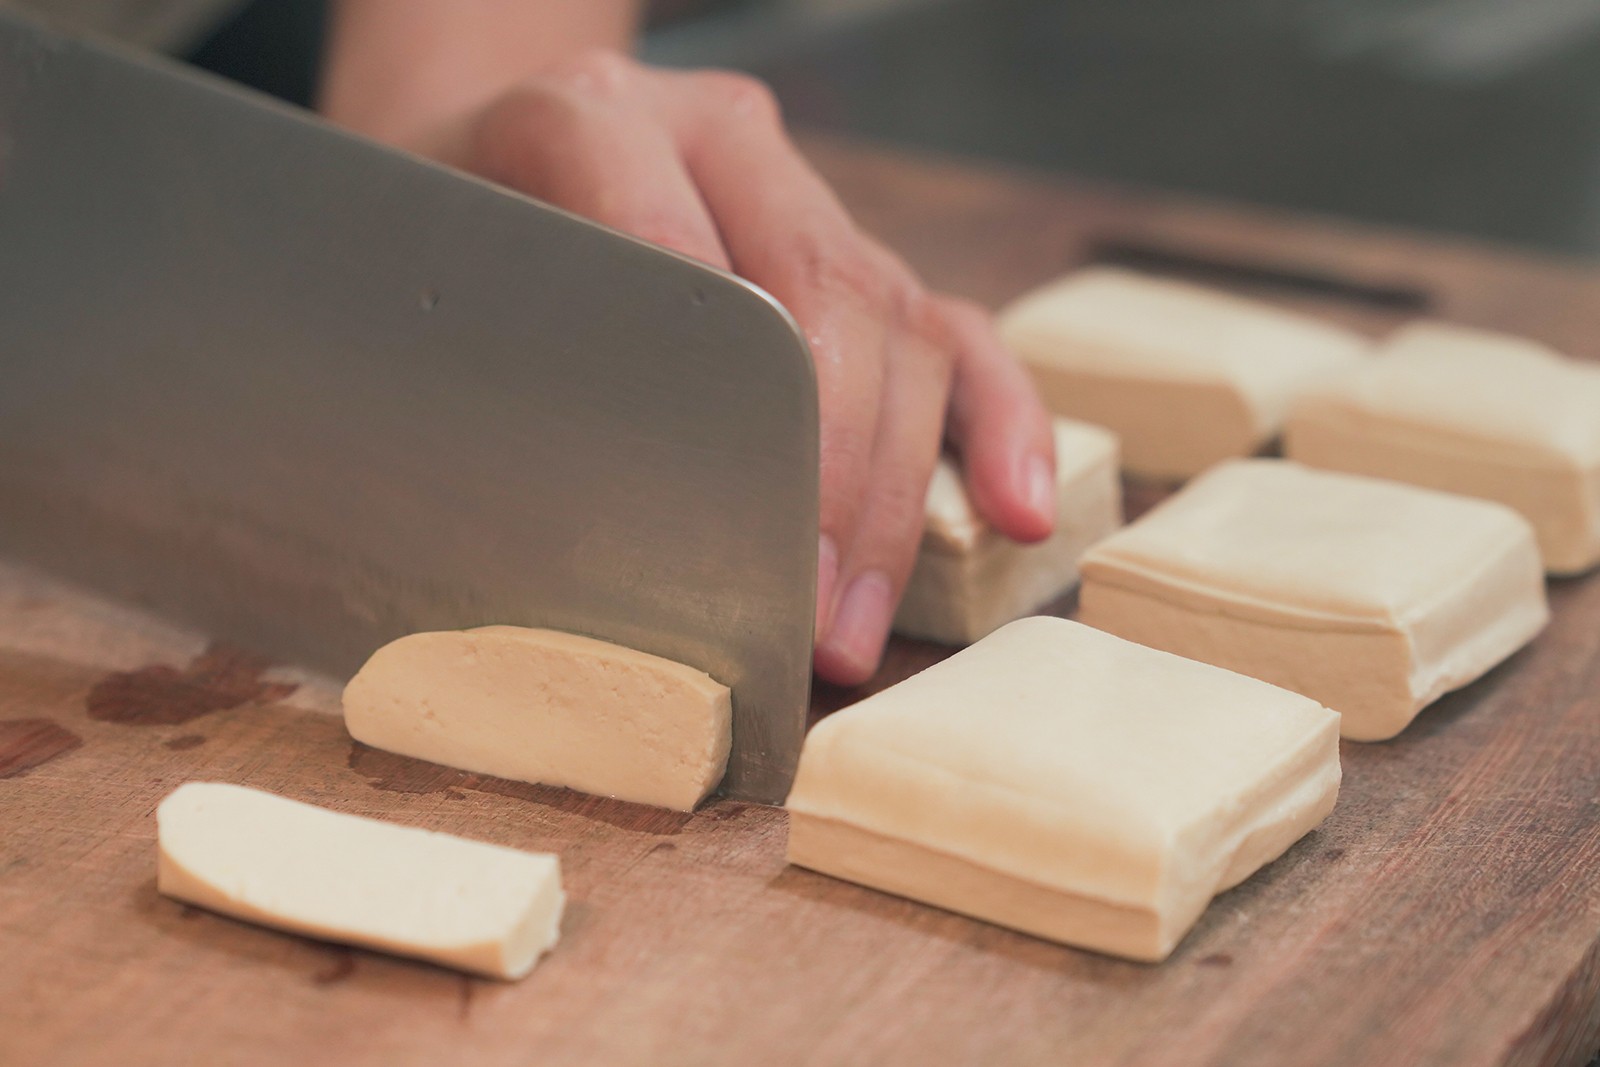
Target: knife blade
<point>310,393</point>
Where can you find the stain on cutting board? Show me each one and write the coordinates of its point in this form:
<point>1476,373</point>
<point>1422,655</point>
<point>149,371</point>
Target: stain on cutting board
<point>29,743</point>
<point>220,678</point>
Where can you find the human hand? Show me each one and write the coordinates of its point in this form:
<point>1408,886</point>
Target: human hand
<point>699,162</point>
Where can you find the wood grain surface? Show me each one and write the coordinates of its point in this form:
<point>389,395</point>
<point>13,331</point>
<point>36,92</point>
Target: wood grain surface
<point>1447,913</point>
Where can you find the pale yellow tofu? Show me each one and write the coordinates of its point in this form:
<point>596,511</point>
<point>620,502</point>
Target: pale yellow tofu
<point>1470,412</point>
<point>1369,596</point>
<point>548,707</point>
<point>970,579</point>
<point>1066,783</point>
<point>1184,376</point>
<point>280,863</point>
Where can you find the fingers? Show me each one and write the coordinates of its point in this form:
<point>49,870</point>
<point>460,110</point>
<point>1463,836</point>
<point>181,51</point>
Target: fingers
<point>849,392</point>
<point>890,525</point>
<point>883,358</point>
<point>849,339</point>
<point>585,138</point>
<point>1001,430</point>
<point>785,231</point>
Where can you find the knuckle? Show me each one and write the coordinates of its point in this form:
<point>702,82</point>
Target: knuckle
<point>598,72</point>
<point>514,136</point>
<point>919,314</point>
<point>913,309</point>
<point>743,95</point>
<point>835,268</point>
<point>963,317</point>
<point>532,108</point>
<point>976,345</point>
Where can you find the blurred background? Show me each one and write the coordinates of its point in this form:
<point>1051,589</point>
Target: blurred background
<point>1472,117</point>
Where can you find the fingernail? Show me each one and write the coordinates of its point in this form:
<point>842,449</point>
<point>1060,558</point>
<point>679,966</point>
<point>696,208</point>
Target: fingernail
<point>827,575</point>
<point>861,622</point>
<point>1041,488</point>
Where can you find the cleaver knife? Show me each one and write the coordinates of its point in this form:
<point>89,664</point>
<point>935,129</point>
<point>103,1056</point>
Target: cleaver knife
<point>310,394</point>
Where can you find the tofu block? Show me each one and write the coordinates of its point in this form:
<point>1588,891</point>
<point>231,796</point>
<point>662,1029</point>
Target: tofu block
<point>970,579</point>
<point>277,862</point>
<point>1371,597</point>
<point>1185,376</point>
<point>1066,783</point>
<point>548,707</point>
<point>1470,412</point>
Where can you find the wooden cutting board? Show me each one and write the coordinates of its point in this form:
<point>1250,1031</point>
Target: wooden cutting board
<point>1447,913</point>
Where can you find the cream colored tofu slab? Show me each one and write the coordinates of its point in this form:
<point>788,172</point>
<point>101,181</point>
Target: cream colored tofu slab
<point>1185,376</point>
<point>277,862</point>
<point>1369,596</point>
<point>1067,783</point>
<point>1470,412</point>
<point>969,579</point>
<point>548,707</point>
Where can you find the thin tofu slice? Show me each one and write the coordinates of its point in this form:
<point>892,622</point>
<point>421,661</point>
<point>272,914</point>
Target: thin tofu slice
<point>1184,376</point>
<point>1470,412</point>
<point>1371,597</point>
<point>970,580</point>
<point>277,862</point>
<point>1063,782</point>
<point>548,707</point>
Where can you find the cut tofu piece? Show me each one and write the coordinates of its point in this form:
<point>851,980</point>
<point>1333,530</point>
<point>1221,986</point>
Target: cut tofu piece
<point>270,860</point>
<point>1371,597</point>
<point>1185,376</point>
<point>970,579</point>
<point>1064,782</point>
<point>1470,412</point>
<point>548,707</point>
